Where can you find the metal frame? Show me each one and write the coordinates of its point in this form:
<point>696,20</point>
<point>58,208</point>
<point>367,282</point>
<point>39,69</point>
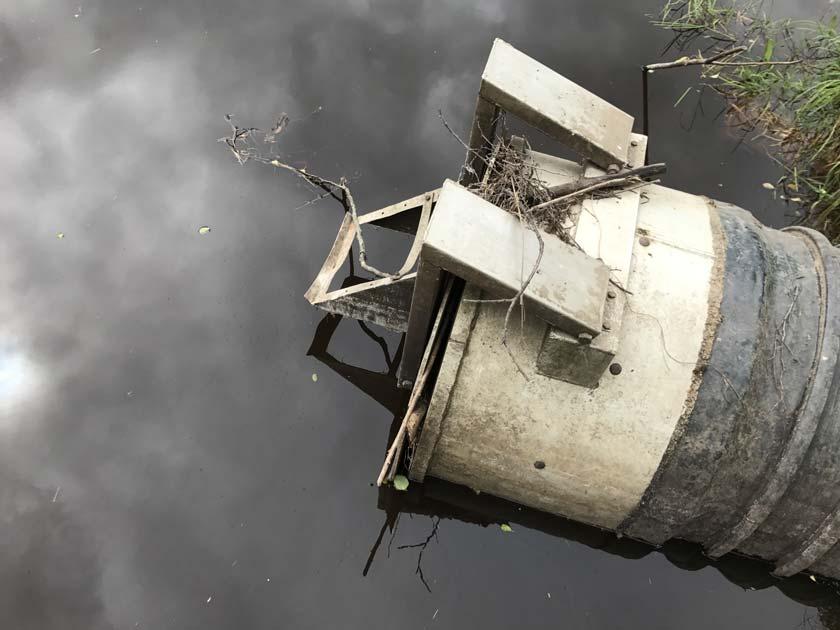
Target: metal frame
<point>384,301</point>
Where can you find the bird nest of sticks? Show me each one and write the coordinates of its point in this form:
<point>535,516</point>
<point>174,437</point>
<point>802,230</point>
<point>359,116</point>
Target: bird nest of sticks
<point>512,183</point>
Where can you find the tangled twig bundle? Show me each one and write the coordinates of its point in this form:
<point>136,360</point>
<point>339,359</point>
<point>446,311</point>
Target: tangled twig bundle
<point>511,182</point>
<point>243,144</point>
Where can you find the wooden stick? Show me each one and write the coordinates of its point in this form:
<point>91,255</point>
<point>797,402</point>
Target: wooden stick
<point>429,357</point>
<point>578,193</point>
<point>641,172</point>
<point>411,426</point>
<point>695,61</point>
<point>413,423</point>
<point>789,62</point>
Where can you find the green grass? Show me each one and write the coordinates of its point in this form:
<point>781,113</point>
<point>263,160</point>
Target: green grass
<point>795,106</point>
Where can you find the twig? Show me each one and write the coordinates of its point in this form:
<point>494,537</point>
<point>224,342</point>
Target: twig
<point>452,131</point>
<point>641,172</point>
<point>612,183</point>
<point>339,190</point>
<point>497,145</point>
<point>695,61</point>
<point>519,297</point>
<point>466,166</point>
<point>780,342</point>
<point>349,204</point>
<point>725,380</point>
<point>661,335</point>
<point>619,286</point>
<point>789,62</point>
<point>429,359</point>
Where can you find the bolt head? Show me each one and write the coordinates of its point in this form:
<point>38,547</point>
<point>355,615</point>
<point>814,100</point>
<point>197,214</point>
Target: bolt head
<point>585,338</point>
<point>613,169</point>
<point>611,294</point>
<point>605,326</point>
<point>539,464</point>
<point>615,369</point>
<point>634,143</point>
<point>644,241</point>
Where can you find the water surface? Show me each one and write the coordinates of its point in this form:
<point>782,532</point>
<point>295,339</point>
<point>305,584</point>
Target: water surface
<point>167,459</point>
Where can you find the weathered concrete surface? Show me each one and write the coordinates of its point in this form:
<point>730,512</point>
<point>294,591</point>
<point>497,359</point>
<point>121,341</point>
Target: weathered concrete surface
<point>606,225</point>
<point>545,99</point>
<point>563,357</point>
<point>605,229</point>
<point>487,246</point>
<point>600,447</point>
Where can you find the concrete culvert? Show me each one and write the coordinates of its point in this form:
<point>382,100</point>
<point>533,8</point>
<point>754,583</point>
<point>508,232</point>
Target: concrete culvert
<point>706,406</point>
<point>675,375</point>
<point>723,427</point>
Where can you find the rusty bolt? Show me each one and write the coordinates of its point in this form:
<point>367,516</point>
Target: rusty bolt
<point>644,241</point>
<point>585,338</point>
<point>612,169</point>
<point>611,294</point>
<point>615,369</point>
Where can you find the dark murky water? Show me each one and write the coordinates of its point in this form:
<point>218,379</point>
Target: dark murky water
<point>166,458</point>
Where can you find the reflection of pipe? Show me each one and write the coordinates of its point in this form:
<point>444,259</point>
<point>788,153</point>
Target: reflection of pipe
<point>441,499</point>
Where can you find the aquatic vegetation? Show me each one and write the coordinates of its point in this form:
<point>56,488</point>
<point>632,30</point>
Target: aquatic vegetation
<point>781,79</point>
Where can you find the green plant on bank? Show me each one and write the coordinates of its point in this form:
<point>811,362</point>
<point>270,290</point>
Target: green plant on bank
<point>784,85</point>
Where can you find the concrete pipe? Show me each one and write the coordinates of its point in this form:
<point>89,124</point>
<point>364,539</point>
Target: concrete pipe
<point>717,420</point>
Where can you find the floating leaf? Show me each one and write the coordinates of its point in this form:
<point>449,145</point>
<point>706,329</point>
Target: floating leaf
<point>506,528</point>
<point>768,186</point>
<point>401,483</point>
<point>314,377</point>
<point>204,229</point>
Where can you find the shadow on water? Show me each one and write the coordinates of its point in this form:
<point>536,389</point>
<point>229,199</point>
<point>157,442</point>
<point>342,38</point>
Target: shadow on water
<point>442,500</point>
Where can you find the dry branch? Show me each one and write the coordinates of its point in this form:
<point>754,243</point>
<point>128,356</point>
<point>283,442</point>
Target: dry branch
<point>641,172</point>
<point>715,60</point>
<point>431,355</point>
<point>238,143</point>
<point>695,61</point>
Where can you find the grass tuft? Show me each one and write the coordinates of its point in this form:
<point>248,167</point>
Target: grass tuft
<point>785,88</point>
